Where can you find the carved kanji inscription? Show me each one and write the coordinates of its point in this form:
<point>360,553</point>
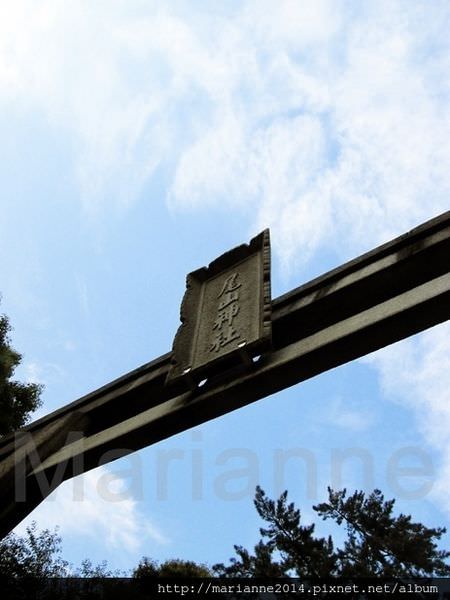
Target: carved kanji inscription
<point>225,311</point>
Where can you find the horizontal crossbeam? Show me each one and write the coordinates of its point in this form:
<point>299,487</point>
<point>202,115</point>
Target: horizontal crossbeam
<point>390,293</point>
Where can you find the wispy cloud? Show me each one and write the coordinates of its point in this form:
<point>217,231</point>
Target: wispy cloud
<point>104,509</point>
<point>416,373</point>
<point>83,295</point>
<point>33,373</point>
<point>43,373</point>
<point>342,414</point>
<point>325,120</point>
<point>75,65</point>
<point>336,137</point>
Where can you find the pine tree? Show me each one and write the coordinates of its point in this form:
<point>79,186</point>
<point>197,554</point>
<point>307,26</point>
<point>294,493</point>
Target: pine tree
<point>378,543</point>
<point>17,400</point>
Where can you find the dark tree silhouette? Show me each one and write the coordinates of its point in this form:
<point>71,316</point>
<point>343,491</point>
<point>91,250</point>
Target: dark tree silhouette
<point>17,400</point>
<point>37,554</point>
<point>378,543</point>
<point>170,568</point>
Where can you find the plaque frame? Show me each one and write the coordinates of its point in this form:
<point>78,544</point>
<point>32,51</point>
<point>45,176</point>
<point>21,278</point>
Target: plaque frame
<point>203,313</point>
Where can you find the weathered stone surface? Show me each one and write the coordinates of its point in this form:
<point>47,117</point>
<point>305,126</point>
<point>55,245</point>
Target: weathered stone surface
<point>21,491</point>
<point>225,313</point>
<point>393,291</point>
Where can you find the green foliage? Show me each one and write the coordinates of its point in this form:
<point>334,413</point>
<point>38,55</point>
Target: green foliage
<point>35,555</point>
<point>378,543</point>
<point>147,567</point>
<point>89,570</point>
<point>299,552</point>
<point>170,568</point>
<point>17,400</point>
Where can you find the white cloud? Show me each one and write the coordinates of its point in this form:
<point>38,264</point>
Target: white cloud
<point>416,373</point>
<point>74,64</point>
<point>104,508</point>
<point>325,121</point>
<point>340,414</point>
<point>332,127</point>
<point>33,373</point>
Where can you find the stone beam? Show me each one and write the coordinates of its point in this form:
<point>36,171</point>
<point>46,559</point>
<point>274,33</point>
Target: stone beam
<point>385,295</point>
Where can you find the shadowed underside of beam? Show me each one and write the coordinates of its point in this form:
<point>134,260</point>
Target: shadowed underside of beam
<point>390,293</point>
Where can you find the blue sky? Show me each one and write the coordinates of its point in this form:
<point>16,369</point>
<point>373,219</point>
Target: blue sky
<point>142,139</point>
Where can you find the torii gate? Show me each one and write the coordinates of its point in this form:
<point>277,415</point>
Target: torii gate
<point>235,346</point>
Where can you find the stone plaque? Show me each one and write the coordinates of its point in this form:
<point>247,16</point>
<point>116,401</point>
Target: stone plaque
<point>225,313</point>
